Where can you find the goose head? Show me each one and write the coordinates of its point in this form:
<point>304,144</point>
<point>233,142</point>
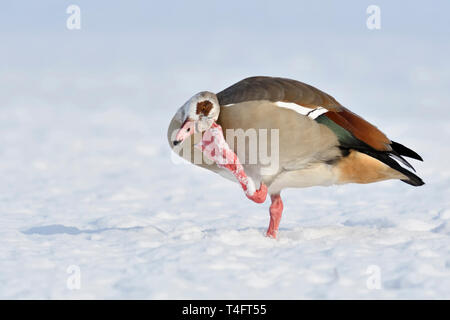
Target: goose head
<point>197,115</point>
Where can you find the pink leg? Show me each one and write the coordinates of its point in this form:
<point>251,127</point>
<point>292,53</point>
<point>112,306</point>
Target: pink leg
<point>276,209</point>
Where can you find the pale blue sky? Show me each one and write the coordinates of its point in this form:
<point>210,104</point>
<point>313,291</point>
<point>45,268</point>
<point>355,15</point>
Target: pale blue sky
<point>405,17</point>
<point>163,52</point>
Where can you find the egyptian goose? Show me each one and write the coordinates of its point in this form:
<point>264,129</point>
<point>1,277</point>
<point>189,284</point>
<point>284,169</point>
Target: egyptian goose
<point>319,141</point>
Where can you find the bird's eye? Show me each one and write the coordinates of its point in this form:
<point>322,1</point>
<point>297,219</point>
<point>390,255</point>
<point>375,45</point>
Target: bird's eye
<point>188,129</point>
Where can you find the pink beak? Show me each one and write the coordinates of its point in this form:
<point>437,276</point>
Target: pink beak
<point>187,128</point>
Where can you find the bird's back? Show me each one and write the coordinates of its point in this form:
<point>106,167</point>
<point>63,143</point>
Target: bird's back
<point>289,134</point>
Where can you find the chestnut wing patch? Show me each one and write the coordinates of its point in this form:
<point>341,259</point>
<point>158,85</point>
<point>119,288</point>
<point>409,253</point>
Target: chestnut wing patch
<point>361,129</point>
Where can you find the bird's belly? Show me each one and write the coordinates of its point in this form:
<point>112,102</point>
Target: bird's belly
<point>317,174</point>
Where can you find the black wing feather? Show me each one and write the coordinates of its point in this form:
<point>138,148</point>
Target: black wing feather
<point>404,151</point>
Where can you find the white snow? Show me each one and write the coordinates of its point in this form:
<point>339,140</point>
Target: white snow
<point>87,178</point>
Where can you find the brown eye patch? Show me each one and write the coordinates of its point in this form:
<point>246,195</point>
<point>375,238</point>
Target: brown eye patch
<point>204,107</point>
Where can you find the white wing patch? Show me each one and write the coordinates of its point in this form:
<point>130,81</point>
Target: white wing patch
<point>311,113</point>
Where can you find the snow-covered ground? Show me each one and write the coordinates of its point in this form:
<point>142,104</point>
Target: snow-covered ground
<point>88,187</point>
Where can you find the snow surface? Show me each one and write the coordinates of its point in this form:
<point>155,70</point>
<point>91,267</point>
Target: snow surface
<point>87,177</point>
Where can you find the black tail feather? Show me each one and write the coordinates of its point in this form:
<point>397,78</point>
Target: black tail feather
<point>385,157</point>
<point>398,157</point>
<point>415,183</point>
<point>404,151</point>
